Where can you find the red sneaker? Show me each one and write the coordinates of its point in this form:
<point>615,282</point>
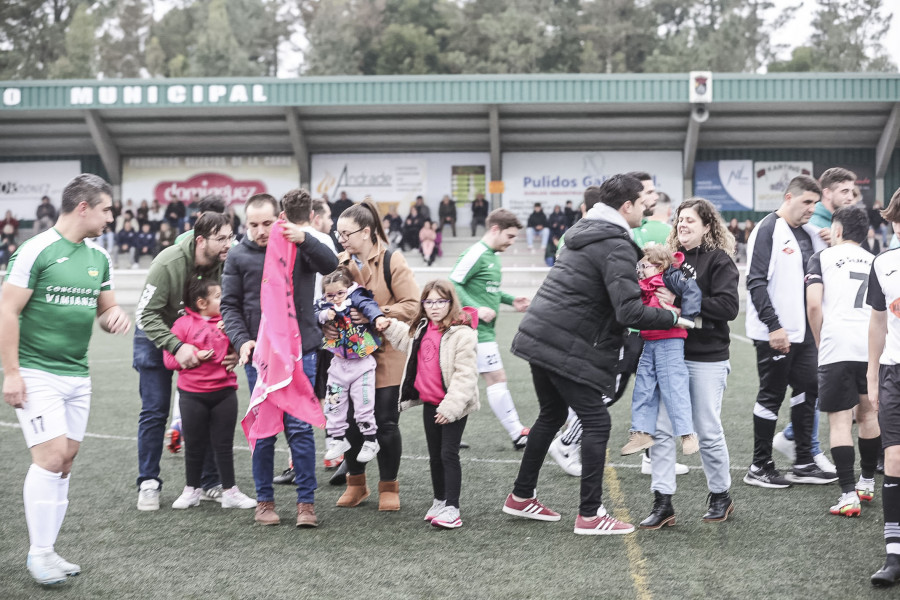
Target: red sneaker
<point>333,463</point>
<point>530,509</point>
<point>173,440</point>
<point>519,442</point>
<point>602,524</point>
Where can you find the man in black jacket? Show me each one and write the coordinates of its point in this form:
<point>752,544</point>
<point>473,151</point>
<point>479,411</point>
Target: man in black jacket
<point>241,282</point>
<point>571,336</point>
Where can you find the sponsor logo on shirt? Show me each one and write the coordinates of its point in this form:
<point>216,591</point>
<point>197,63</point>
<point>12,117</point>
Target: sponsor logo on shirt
<point>895,307</point>
<point>787,250</point>
<point>94,272</point>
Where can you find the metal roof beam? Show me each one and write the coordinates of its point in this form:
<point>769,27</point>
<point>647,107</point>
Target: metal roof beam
<point>105,145</point>
<point>689,154</point>
<point>301,152</point>
<point>496,163</point>
<point>888,142</point>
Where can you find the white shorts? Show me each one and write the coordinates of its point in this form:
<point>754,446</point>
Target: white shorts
<point>489,357</point>
<point>55,405</point>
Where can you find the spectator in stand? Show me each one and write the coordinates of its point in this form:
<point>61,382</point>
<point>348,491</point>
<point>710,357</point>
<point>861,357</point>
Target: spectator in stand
<point>9,228</point>
<point>395,218</point>
<point>558,222</point>
<point>479,212</point>
<point>552,247</point>
<point>126,217</point>
<point>422,209</point>
<point>6,251</point>
<point>571,214</point>
<point>175,212</point>
<point>872,244</point>
<point>748,229</point>
<point>46,215</point>
<point>107,239</point>
<point>209,204</point>
<point>411,228</point>
<point>167,236</point>
<point>878,223</point>
<point>734,228</point>
<point>156,215</point>
<point>428,242</point>
<point>117,210</point>
<point>126,240</point>
<point>339,206</point>
<point>537,225</point>
<point>143,214</point>
<point>447,214</point>
<point>394,235</point>
<point>146,243</point>
<point>193,210</point>
<point>235,222</point>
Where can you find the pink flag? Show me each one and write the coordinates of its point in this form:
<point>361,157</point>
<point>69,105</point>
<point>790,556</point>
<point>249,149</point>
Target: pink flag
<point>281,386</point>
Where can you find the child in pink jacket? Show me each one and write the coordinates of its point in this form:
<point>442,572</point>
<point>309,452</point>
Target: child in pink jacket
<point>207,396</point>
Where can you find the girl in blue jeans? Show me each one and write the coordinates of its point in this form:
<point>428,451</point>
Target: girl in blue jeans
<point>662,374</point>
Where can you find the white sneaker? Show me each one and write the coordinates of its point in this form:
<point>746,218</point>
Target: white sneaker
<point>189,497</point>
<point>235,498</point>
<point>148,495</point>
<point>213,494</point>
<point>368,452</point>
<point>436,507</point>
<point>45,569</point>
<point>448,518</point>
<point>786,447</point>
<point>647,466</point>
<point>567,456</point>
<point>336,448</point>
<point>70,569</point>
<point>823,463</point>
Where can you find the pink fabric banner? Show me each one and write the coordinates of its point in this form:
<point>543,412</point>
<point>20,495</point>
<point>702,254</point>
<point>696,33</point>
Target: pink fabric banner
<point>281,386</point>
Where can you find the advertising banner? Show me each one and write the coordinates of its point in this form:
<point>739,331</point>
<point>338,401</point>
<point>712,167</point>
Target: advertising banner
<point>22,184</point>
<point>396,179</point>
<point>771,180</point>
<point>236,178</point>
<point>726,183</point>
<point>553,177</point>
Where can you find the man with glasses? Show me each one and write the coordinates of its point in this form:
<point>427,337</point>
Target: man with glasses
<point>162,300</point>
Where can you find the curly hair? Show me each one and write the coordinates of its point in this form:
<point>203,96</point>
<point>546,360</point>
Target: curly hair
<point>718,236</point>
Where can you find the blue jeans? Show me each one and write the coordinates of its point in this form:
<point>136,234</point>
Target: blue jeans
<point>662,375</point>
<point>816,448</point>
<point>708,382</point>
<point>155,388</point>
<point>302,444</point>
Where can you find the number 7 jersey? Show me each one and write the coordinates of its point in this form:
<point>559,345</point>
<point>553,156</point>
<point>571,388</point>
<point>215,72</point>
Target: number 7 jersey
<point>844,271</point>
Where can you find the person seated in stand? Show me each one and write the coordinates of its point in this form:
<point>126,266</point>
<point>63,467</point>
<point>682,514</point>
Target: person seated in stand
<point>126,240</point>
<point>146,243</point>
<point>537,225</point>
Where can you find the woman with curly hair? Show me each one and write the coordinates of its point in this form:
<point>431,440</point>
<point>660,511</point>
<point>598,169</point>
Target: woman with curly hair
<point>708,248</point>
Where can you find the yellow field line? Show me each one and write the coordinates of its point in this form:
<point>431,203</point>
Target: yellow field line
<point>636,562</point>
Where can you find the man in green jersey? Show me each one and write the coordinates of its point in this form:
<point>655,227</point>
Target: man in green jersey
<point>57,282</point>
<point>477,280</point>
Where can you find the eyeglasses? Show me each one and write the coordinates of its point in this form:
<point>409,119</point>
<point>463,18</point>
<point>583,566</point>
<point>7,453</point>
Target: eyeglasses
<point>343,235</point>
<point>336,295</point>
<point>435,303</point>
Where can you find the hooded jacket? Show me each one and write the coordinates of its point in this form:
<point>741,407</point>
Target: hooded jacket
<point>575,324</point>
<point>204,333</point>
<point>241,283</point>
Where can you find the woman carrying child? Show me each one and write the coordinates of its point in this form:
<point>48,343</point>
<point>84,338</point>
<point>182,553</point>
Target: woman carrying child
<point>442,375</point>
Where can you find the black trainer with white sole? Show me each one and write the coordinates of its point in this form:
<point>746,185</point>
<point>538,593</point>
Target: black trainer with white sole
<point>811,474</point>
<point>766,476</point>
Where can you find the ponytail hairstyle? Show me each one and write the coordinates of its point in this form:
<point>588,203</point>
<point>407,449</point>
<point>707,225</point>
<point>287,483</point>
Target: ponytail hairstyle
<point>446,290</point>
<point>340,275</point>
<point>199,287</point>
<point>365,214</point>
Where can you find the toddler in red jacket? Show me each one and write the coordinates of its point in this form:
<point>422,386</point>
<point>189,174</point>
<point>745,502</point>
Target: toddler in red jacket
<point>207,396</point>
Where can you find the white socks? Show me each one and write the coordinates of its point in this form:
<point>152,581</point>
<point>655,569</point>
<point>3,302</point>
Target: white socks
<point>45,495</point>
<point>502,404</point>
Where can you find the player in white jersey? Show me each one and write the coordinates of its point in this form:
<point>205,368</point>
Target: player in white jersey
<point>836,284</point>
<point>884,387</point>
<point>58,282</point>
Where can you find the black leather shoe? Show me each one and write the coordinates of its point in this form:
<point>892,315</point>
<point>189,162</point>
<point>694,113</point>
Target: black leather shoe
<point>720,507</point>
<point>340,475</point>
<point>661,514</point>
<point>889,574</point>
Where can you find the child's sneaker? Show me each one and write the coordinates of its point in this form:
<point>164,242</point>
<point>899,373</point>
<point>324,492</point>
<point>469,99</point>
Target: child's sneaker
<point>637,441</point>
<point>522,439</point>
<point>336,447</point>
<point>213,494</point>
<point>436,507</point>
<point>865,489</point>
<point>448,518</point>
<point>689,444</point>
<point>333,463</point>
<point>368,451</point>
<point>847,506</point>
<point>189,497</point>
<point>173,438</point>
<point>235,498</point>
<point>602,524</point>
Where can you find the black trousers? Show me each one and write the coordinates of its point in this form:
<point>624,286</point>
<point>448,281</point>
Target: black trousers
<point>797,368</point>
<point>387,414</point>
<point>208,420</point>
<point>555,395</point>
<point>443,455</point>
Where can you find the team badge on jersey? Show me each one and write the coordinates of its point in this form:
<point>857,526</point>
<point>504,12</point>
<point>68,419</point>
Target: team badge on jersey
<point>94,272</point>
<point>895,308</point>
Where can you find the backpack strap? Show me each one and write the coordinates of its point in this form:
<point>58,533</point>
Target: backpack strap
<point>387,270</point>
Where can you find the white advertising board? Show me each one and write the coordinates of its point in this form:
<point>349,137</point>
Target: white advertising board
<point>22,184</point>
<point>553,177</point>
<point>236,178</point>
<point>399,178</point>
<point>772,179</point>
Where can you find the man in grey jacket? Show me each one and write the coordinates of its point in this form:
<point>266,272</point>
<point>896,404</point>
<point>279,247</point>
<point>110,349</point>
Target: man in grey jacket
<point>571,337</point>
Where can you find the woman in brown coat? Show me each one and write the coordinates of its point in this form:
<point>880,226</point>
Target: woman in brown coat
<point>360,232</point>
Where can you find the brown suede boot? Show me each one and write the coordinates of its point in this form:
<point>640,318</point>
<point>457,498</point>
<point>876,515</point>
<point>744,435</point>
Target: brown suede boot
<point>306,515</point>
<point>389,495</point>
<point>356,491</point>
<point>265,514</point>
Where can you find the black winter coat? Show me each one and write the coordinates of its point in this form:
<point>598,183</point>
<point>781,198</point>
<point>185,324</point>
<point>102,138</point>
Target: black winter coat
<point>576,322</point>
<point>241,282</point>
<point>717,277</point>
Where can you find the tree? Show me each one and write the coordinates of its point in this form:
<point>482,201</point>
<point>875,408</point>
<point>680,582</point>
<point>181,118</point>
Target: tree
<point>617,36</point>
<point>123,44</point>
<point>342,35</point>
<point>218,52</point>
<point>406,50</point>
<point>174,31</point>
<point>847,36</point>
<point>80,59</point>
<point>155,58</point>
